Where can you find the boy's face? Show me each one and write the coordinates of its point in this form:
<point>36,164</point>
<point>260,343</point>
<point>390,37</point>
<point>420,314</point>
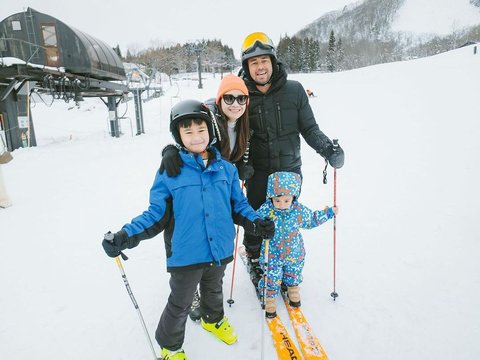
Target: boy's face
<point>195,138</point>
<point>282,202</point>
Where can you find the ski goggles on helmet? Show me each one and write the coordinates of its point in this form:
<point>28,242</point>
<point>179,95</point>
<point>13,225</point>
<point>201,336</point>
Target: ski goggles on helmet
<point>256,39</point>
<point>230,99</point>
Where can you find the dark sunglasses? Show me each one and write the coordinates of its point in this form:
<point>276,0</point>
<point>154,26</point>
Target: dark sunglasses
<point>230,99</point>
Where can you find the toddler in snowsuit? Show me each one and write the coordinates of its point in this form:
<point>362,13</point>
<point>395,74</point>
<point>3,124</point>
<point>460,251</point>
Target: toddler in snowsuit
<point>286,253</point>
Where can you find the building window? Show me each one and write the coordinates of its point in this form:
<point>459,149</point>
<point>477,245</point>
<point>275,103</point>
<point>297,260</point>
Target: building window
<point>16,25</point>
<point>49,35</point>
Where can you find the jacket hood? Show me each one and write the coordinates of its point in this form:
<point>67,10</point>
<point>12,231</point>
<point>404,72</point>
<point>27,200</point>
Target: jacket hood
<point>283,183</point>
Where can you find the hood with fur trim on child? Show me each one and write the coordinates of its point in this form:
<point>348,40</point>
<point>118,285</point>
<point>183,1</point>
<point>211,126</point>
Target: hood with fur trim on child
<point>283,183</point>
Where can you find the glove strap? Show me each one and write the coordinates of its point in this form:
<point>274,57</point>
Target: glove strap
<point>335,147</point>
<point>325,172</point>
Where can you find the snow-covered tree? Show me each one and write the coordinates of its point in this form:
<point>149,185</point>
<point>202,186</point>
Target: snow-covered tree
<point>331,57</point>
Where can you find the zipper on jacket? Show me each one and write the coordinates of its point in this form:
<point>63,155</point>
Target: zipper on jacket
<point>282,250</point>
<point>260,118</point>
<point>279,118</point>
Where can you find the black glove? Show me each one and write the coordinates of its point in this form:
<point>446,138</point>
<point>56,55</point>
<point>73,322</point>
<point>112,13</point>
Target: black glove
<point>114,243</point>
<point>262,228</point>
<point>171,161</point>
<point>245,171</point>
<point>336,156</point>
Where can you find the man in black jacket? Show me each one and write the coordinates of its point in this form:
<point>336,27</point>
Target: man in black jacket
<point>279,113</point>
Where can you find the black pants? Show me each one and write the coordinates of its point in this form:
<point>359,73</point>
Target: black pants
<point>256,195</point>
<point>256,192</point>
<point>171,327</point>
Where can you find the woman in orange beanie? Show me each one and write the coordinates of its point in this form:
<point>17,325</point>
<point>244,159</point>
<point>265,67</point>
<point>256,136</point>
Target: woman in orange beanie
<point>230,109</point>
<point>232,128</point>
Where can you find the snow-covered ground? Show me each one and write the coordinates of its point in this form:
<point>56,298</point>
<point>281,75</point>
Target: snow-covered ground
<point>440,17</point>
<point>408,273</point>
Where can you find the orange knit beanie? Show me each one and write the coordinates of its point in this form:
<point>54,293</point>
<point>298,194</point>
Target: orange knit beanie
<point>230,82</point>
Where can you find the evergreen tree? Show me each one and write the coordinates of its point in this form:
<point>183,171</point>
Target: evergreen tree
<point>312,49</point>
<point>299,55</point>
<point>340,55</point>
<point>297,60</point>
<point>331,60</point>
<point>282,51</point>
<point>129,55</point>
<point>118,51</point>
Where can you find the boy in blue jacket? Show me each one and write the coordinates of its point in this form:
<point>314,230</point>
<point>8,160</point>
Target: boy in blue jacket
<point>195,210</point>
<point>286,253</point>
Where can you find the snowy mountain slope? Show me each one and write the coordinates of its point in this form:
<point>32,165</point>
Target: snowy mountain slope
<point>441,17</point>
<point>390,19</point>
<point>407,273</point>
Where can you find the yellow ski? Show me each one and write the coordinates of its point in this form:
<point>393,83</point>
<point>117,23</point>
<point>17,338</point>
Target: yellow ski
<point>308,342</point>
<point>286,349</point>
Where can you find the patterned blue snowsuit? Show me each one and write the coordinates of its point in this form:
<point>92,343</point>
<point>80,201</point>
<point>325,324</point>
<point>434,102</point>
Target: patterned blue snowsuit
<point>286,255</point>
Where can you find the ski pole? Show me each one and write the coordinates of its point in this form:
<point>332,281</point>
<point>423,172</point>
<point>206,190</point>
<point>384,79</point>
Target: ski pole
<point>230,301</point>
<point>264,295</point>
<point>334,294</point>
<point>109,237</point>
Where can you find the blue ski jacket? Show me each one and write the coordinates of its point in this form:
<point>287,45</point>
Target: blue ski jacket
<point>201,201</point>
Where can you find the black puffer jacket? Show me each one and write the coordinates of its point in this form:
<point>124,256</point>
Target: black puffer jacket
<point>277,119</point>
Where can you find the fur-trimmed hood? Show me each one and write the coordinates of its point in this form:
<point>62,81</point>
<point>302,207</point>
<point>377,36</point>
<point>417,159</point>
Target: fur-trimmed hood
<point>283,183</point>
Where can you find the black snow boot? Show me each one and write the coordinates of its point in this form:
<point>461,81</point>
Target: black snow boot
<point>254,270</point>
<point>194,313</point>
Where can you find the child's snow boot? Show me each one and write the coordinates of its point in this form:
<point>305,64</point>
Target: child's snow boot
<point>173,355</point>
<point>293,293</point>
<point>270,308</point>
<point>222,330</point>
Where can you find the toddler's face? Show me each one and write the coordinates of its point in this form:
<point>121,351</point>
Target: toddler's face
<point>282,202</point>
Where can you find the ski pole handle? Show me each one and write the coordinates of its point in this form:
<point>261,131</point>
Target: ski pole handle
<point>109,236</point>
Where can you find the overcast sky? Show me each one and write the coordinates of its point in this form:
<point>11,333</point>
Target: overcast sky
<point>138,24</point>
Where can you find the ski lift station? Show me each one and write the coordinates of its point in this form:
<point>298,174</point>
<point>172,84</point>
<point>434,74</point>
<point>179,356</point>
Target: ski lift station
<point>41,54</point>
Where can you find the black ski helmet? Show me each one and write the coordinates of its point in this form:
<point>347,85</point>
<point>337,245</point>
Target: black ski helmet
<point>257,44</point>
<point>190,109</point>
